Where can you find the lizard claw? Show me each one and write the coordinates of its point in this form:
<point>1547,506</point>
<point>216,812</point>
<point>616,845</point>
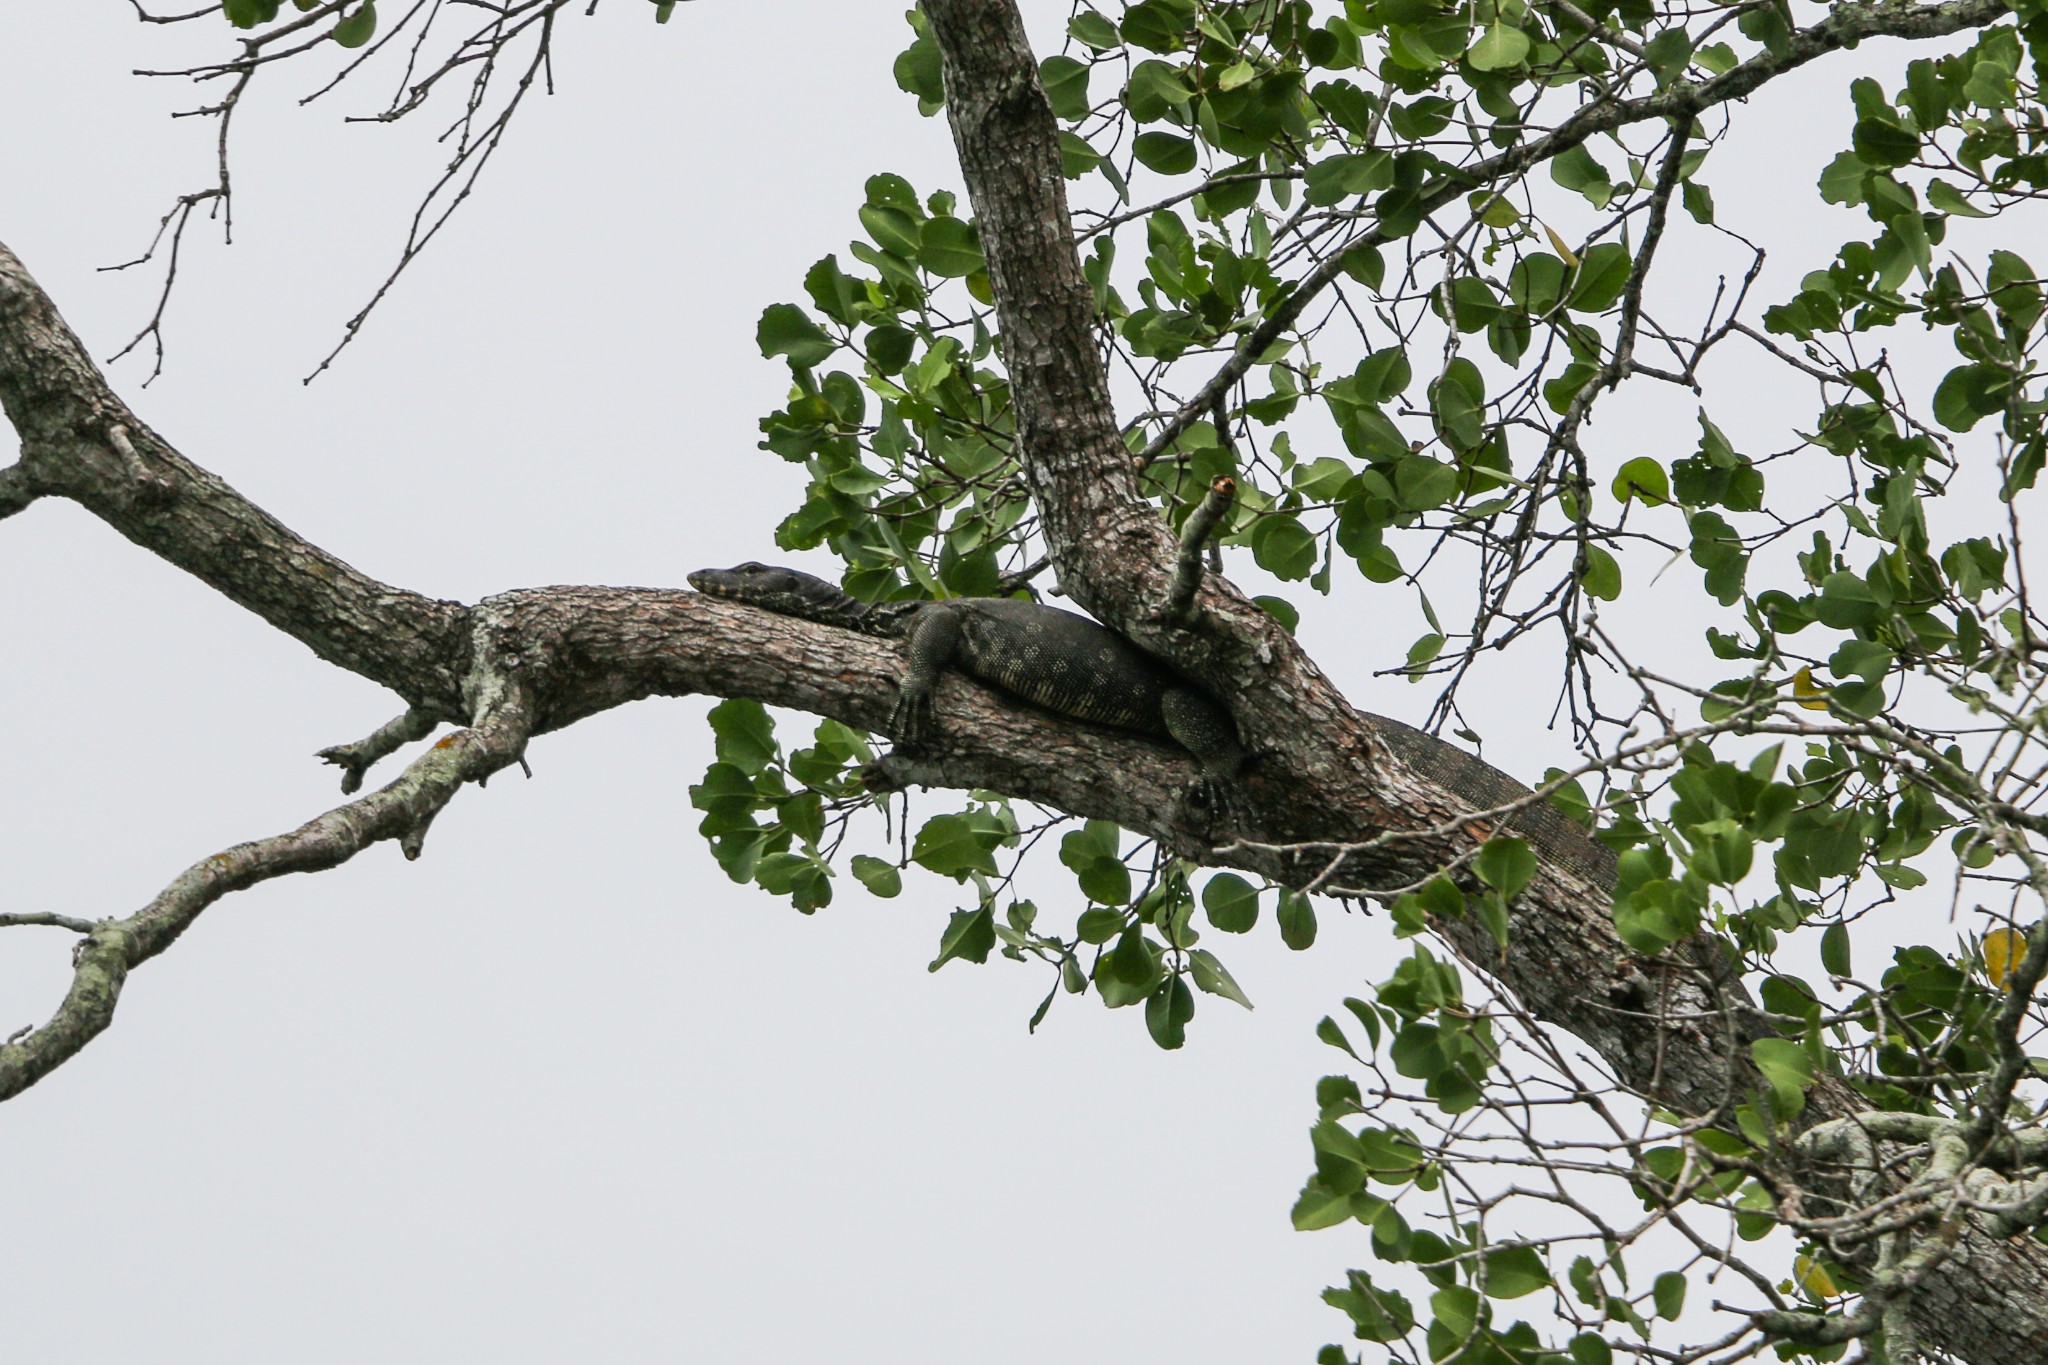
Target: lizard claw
<point>910,723</point>
<point>1212,801</point>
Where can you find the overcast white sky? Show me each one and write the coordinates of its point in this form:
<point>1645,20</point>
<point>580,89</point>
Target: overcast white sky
<point>559,1090</point>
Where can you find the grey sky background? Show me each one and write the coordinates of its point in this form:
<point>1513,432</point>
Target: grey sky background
<point>559,1091</point>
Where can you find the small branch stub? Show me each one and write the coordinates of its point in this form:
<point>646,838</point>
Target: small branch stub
<point>357,759</point>
<point>16,490</point>
<point>1194,536</point>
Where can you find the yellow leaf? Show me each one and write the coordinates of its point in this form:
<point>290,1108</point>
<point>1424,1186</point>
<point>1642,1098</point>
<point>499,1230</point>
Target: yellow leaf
<point>1571,258</point>
<point>1809,693</point>
<point>2003,949</point>
<point>1813,1277</point>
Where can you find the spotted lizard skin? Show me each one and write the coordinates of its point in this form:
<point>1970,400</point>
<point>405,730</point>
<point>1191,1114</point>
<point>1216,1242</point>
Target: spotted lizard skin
<point>1051,658</point>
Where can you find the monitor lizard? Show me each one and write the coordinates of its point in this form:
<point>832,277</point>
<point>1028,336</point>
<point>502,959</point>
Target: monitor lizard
<point>1052,658</point>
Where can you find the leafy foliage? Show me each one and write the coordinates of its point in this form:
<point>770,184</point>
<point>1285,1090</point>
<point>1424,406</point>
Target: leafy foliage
<point>1477,295</point>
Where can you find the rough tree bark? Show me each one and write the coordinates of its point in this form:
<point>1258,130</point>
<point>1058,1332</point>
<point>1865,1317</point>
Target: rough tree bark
<point>528,662</point>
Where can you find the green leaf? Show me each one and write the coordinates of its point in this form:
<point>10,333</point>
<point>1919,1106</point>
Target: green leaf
<point>1376,1314</point>
<point>1066,87</point>
<point>1166,153</point>
<point>1297,920</point>
<point>1699,201</point>
<point>1281,610</point>
<point>355,29</point>
<point>1723,851</point>
<point>917,69</point>
<point>727,790</point>
<point>880,878</point>
<point>1668,1292</point>
<point>1669,53</point>
<point>1423,483</point>
<point>1537,282</point>
<point>1499,48</point>
<point>893,229</point>
<point>2026,467</point>
<point>1787,1070</point>
<point>1642,478</point>
<point>1717,58</point>
<point>1091,854</point>
<point>889,348</point>
<point>1947,198</point>
<point>1653,918</point>
<point>1457,1311</point>
<point>1232,903</point>
<point>1841,182</point>
<point>1865,659</point>
<point>744,734</point>
<point>2015,291</point>
<point>786,330</point>
<point>1494,209</point>
<point>1155,87</point>
<point>1131,961</point>
<point>1883,142</point>
<point>1421,654</point>
<point>249,13</point>
<point>1588,1349</point>
<point>1077,158</point>
<point>1505,863</point>
<point>1601,574</point>
<point>1159,25</point>
<point>1099,924</point>
<point>1320,1207</point>
<point>969,936</point>
<point>1329,1032</point>
<point>806,881</point>
<point>1167,1011</point>
<point>1491,910</point>
<point>1283,547</point>
<point>1971,392</point>
<point>1575,169</point>
<point>1383,375</point>
<point>952,847</point>
<point>1514,1271</point>
<point>1211,976</point>
<point>1106,881</point>
<point>1337,178</point>
<point>1603,274</point>
<point>949,248</point>
<point>1834,949</point>
<point>1991,82</point>
<point>1090,29</point>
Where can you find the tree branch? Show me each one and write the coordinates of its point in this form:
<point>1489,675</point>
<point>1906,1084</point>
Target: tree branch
<point>41,917</point>
<point>113,948</point>
<point>80,441</point>
<point>1194,540</point>
<point>17,490</point>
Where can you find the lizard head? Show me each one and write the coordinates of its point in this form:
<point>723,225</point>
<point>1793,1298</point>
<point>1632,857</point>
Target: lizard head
<point>772,588</point>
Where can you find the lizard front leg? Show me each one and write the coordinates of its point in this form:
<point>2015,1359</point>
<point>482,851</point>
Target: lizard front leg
<point>934,640</point>
<point>1205,730</point>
